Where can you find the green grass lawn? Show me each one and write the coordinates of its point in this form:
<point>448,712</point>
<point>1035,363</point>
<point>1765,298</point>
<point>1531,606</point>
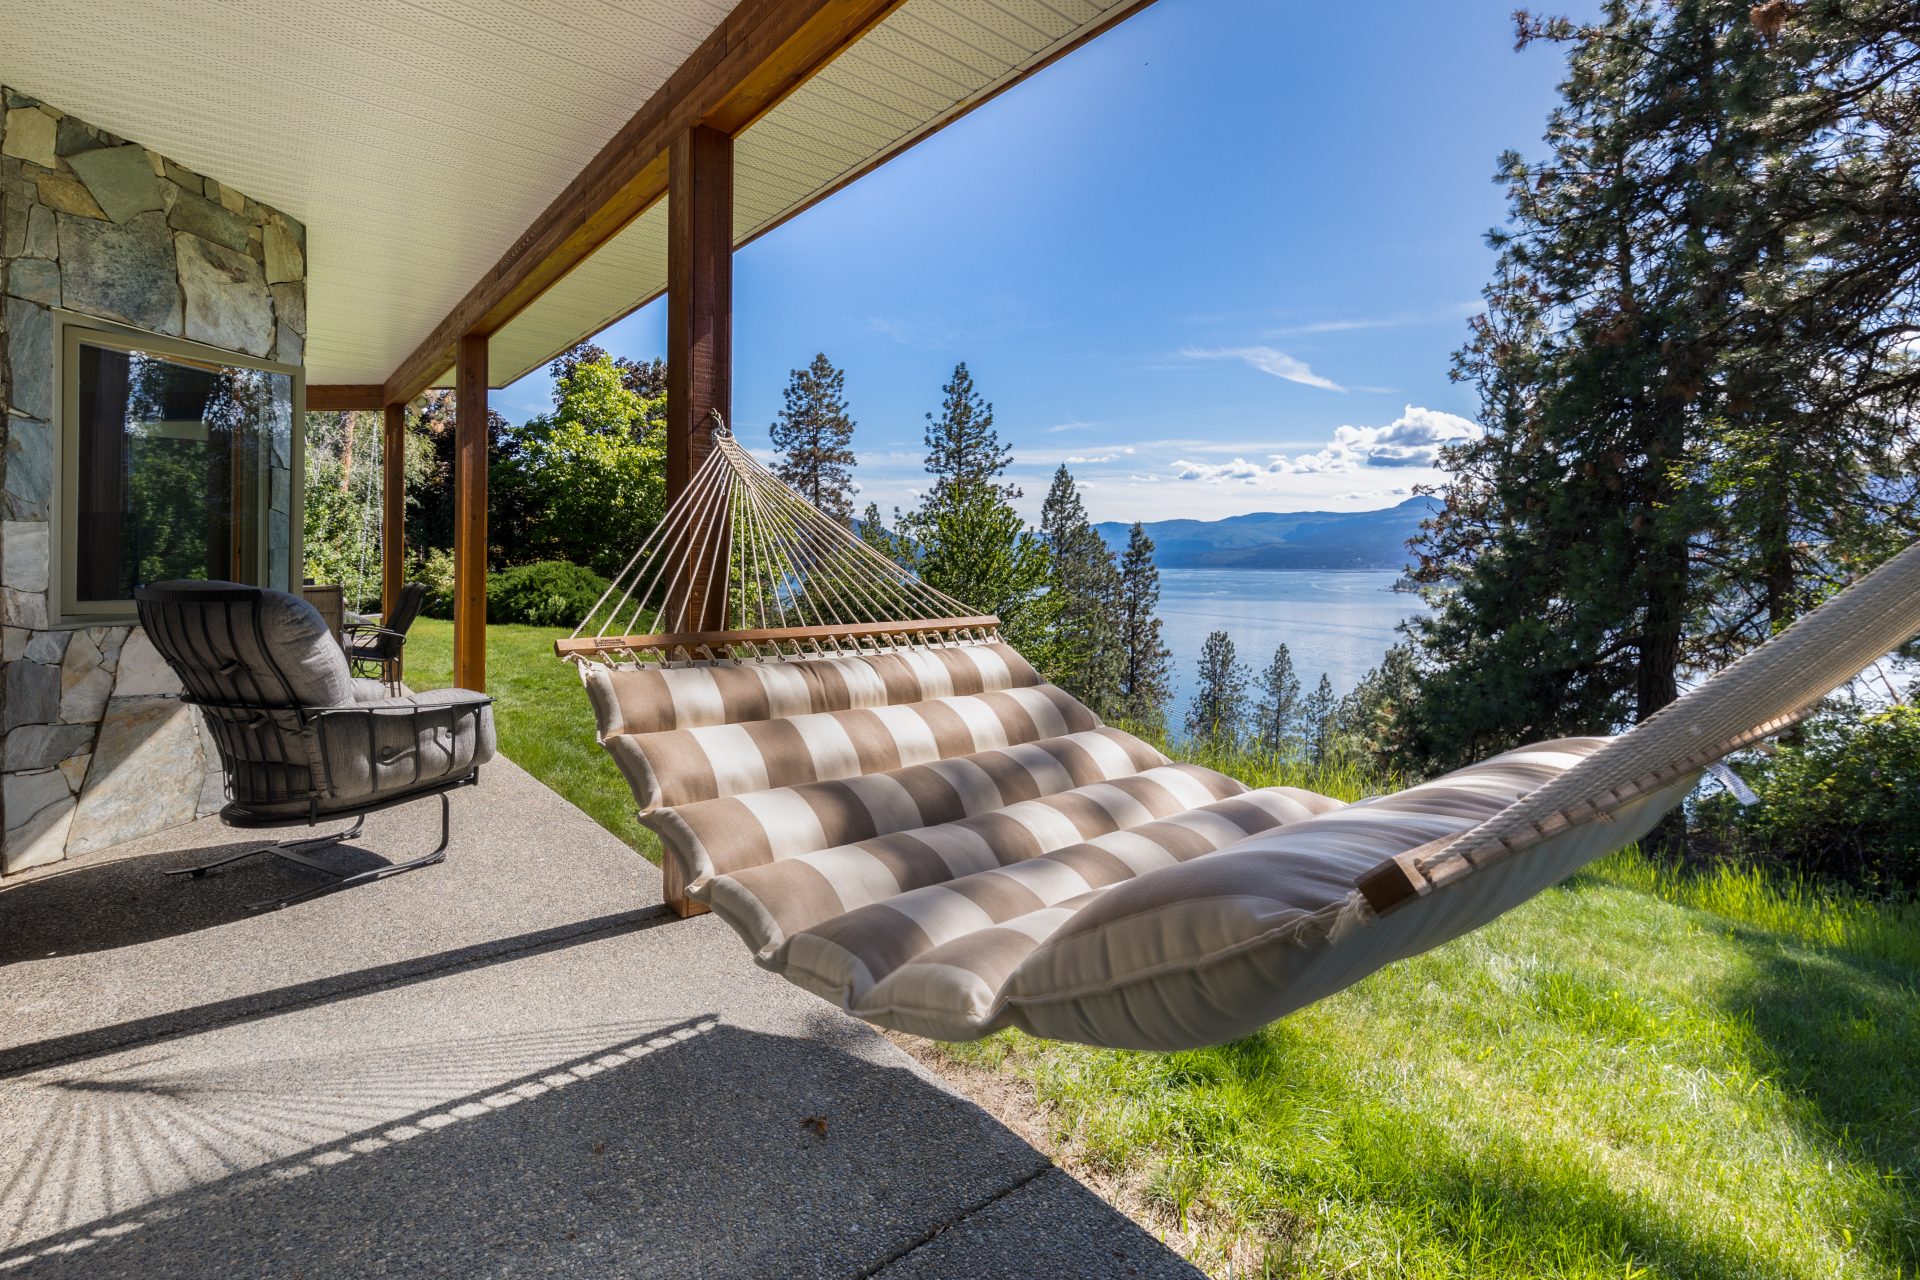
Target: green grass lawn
<point>542,716</point>
<point>1639,1074</point>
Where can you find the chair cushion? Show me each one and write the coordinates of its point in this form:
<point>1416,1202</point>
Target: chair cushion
<point>680,766</point>
<point>1185,930</point>
<point>217,650</point>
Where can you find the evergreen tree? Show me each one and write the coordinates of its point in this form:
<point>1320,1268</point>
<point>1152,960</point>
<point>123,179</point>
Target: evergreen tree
<point>1318,724</point>
<point>814,437</point>
<point>1375,720</point>
<point>1218,712</point>
<point>963,450</point>
<point>873,530</point>
<point>1145,662</point>
<point>1698,414</point>
<point>1277,718</point>
<point>975,547</point>
<point>1085,581</point>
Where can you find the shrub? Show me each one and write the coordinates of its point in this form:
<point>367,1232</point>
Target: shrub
<point>433,569</point>
<point>1842,806</point>
<point>547,593</point>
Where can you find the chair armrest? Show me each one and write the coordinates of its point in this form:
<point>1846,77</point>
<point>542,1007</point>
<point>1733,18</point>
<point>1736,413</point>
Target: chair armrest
<point>384,746</point>
<point>373,629</point>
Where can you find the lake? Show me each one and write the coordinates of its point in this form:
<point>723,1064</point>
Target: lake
<point>1336,621</point>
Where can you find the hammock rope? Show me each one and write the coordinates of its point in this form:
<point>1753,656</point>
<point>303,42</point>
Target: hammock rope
<point>741,567</point>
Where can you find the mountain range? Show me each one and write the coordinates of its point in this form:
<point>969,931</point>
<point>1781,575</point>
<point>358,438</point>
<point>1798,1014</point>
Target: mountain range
<point>1285,539</point>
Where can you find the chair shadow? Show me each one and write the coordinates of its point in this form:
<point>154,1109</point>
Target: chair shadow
<point>123,902</point>
<point>690,1149</point>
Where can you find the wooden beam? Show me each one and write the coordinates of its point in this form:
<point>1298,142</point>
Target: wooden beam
<point>341,397</point>
<point>393,516</point>
<point>700,343</point>
<point>470,515</point>
<point>758,54</point>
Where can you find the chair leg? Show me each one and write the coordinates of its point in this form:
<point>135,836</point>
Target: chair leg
<point>280,849</point>
<point>340,881</point>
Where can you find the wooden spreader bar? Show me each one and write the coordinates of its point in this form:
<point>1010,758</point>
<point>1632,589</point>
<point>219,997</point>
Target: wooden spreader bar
<point>719,641</point>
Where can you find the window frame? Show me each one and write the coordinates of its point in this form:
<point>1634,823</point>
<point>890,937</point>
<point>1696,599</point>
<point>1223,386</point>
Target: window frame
<point>65,610</point>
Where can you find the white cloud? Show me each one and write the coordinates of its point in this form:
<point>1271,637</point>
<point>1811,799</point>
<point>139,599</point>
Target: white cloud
<point>1412,440</point>
<point>1267,360</point>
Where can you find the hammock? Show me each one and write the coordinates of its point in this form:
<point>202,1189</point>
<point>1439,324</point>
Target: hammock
<point>895,811</point>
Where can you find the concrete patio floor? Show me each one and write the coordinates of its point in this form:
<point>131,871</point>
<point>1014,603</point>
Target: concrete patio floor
<point>513,1064</point>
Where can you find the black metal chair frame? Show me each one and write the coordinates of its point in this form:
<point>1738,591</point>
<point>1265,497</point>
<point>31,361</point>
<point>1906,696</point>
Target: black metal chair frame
<point>266,726</point>
<point>360,640</point>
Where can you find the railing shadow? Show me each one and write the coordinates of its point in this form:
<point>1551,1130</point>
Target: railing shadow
<point>693,1148</point>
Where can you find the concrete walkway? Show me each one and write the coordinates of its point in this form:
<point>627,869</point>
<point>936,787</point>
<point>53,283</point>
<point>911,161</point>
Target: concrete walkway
<point>514,1064</point>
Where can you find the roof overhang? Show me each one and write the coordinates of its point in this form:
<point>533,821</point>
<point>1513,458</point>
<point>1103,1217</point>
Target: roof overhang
<point>494,167</point>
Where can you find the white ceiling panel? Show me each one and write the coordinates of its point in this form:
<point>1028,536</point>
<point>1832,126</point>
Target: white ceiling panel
<point>417,139</point>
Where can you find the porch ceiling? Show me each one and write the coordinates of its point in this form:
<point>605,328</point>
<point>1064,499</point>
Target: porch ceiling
<point>418,140</point>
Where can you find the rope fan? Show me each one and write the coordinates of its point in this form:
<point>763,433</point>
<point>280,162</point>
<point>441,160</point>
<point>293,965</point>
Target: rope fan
<point>742,566</point>
<point>895,811</point>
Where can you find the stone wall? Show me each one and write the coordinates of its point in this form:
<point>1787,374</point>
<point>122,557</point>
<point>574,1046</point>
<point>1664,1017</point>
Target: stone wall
<point>95,746</point>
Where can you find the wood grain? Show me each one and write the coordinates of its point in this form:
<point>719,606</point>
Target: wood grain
<point>470,515</point>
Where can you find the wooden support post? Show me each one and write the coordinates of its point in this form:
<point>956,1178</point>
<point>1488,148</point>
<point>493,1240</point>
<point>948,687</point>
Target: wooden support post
<point>393,513</point>
<point>470,515</point>
<point>699,331</point>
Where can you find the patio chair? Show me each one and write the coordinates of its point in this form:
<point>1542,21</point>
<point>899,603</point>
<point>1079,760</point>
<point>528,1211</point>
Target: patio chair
<point>301,741</point>
<point>374,649</point>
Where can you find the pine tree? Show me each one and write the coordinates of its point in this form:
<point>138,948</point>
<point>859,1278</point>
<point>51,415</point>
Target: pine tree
<point>1317,720</point>
<point>1145,662</point>
<point>1278,716</point>
<point>975,547</point>
<point>814,437</point>
<point>963,449</point>
<point>1218,712</point>
<point>1086,654</point>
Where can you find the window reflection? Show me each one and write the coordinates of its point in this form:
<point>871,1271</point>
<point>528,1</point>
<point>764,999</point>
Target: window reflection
<point>184,471</point>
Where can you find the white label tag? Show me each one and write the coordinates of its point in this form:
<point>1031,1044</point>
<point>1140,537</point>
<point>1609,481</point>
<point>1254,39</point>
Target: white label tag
<point>1735,784</point>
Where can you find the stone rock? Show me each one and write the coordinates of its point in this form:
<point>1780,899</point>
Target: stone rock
<point>49,647</point>
<point>198,216</point>
<point>146,775</point>
<point>13,643</point>
<point>42,746</point>
<point>120,179</point>
<point>142,671</point>
<point>285,261</point>
<point>13,227</point>
<point>74,137</point>
<point>30,356</point>
<point>228,305</point>
<point>109,640</point>
<point>67,194</point>
<point>85,682</point>
<point>125,271</point>
<point>230,200</point>
<point>33,693</point>
<point>34,279</point>
<point>40,812</point>
<point>30,136</point>
<point>290,305</point>
<point>183,177</point>
<point>74,770</point>
<point>29,484</point>
<point>43,235</point>
<point>25,546</point>
<point>289,347</point>
<point>23,608</point>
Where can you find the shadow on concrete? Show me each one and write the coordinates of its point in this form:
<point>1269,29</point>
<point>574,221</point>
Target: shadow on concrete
<point>156,1028</point>
<point>689,1149</point>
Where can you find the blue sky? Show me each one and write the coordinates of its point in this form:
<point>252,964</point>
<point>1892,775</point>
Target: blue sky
<point>1215,261</point>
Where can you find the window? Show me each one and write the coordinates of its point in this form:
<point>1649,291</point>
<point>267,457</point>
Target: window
<point>177,461</point>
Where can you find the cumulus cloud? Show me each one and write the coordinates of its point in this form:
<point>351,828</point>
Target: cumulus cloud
<point>1414,439</point>
<point>1267,360</point>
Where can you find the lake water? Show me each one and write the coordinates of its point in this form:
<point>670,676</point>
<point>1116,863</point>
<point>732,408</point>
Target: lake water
<point>1338,621</point>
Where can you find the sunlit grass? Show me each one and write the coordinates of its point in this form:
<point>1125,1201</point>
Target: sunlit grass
<point>544,722</point>
<point>1643,1073</point>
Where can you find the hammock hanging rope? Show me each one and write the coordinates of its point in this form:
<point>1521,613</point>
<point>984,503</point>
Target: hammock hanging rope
<point>742,566</point>
<point>896,812</point>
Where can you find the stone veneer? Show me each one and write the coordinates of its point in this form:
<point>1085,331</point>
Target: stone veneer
<point>95,745</point>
